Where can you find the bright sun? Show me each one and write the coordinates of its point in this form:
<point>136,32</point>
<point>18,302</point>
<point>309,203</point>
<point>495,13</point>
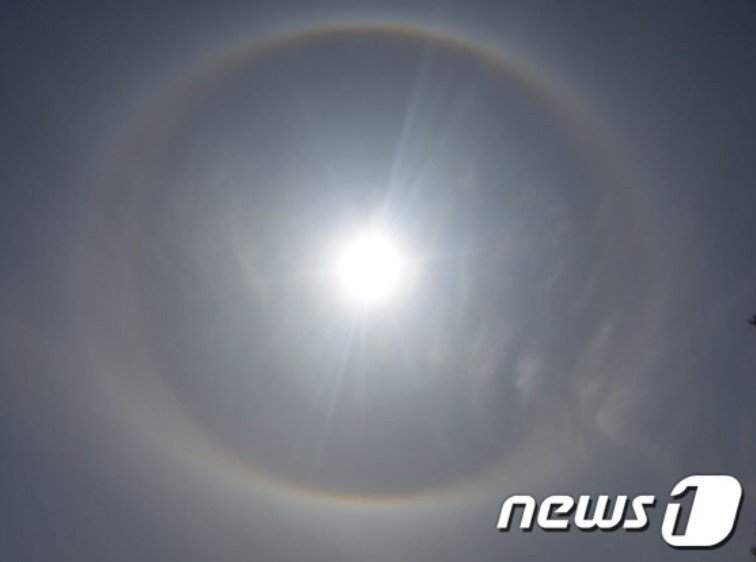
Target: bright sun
<point>371,267</point>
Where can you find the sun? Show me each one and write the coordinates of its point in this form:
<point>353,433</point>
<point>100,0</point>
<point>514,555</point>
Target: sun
<point>371,267</point>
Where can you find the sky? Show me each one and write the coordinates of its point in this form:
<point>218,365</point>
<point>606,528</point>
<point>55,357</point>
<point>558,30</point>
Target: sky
<point>182,377</point>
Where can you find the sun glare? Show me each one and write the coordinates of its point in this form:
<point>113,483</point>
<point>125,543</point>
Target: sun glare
<point>371,267</point>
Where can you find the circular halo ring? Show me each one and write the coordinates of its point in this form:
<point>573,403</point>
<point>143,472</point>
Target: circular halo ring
<point>181,435</point>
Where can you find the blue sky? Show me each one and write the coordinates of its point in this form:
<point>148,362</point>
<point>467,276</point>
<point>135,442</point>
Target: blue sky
<point>181,379</point>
